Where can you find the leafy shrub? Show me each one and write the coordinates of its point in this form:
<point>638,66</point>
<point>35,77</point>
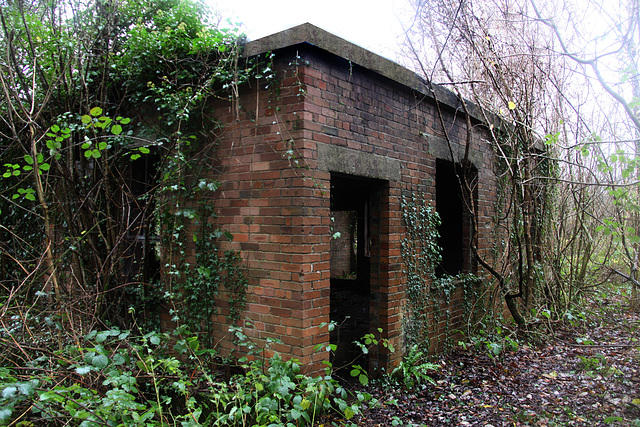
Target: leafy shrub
<point>113,379</point>
<point>116,378</point>
<point>273,392</point>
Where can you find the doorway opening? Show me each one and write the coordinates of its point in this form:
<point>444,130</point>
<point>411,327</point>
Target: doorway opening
<point>354,263</point>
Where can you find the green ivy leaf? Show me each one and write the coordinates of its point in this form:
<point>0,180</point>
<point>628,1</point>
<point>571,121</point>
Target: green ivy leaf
<point>5,415</point>
<point>86,119</point>
<point>9,392</point>
<point>116,129</point>
<point>28,159</point>
<point>119,359</point>
<point>95,111</point>
<point>305,404</point>
<point>104,122</point>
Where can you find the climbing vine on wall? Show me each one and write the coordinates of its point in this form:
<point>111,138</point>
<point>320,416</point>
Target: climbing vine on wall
<point>426,292</point>
<point>196,270</point>
<point>420,255</point>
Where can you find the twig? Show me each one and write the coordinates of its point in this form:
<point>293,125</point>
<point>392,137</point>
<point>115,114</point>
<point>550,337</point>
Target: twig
<point>603,345</point>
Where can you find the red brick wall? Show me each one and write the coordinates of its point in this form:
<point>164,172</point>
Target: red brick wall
<point>276,202</point>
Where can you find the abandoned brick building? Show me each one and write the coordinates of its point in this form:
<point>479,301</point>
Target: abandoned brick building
<point>329,147</point>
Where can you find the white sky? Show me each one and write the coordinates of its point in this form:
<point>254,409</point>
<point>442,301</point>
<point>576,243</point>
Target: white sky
<point>372,24</point>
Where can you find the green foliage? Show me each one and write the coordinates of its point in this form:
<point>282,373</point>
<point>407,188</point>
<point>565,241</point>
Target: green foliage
<point>173,58</point>
<point>425,290</point>
<point>275,392</point>
<point>85,162</point>
<point>185,210</point>
<point>115,377</point>
<point>118,86</point>
<point>597,365</point>
<point>495,343</point>
<point>420,255</point>
<point>414,370</point>
<point>370,340</point>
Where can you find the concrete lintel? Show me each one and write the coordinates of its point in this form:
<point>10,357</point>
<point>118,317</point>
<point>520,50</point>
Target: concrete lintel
<point>439,148</point>
<point>333,158</point>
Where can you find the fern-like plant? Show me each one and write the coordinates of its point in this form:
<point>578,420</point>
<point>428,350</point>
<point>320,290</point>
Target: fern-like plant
<point>414,370</point>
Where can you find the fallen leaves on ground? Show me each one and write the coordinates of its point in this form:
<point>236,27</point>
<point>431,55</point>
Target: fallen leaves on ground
<point>584,375</point>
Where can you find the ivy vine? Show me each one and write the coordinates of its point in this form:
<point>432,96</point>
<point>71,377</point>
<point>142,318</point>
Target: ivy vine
<point>425,291</point>
<point>196,270</point>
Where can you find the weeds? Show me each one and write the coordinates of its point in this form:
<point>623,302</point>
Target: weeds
<point>495,344</point>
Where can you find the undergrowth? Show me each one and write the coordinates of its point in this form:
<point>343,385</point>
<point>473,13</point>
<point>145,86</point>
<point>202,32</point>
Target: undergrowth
<point>118,377</point>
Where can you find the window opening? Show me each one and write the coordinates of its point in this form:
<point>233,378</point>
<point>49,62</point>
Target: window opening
<point>455,219</point>
<point>141,263</point>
